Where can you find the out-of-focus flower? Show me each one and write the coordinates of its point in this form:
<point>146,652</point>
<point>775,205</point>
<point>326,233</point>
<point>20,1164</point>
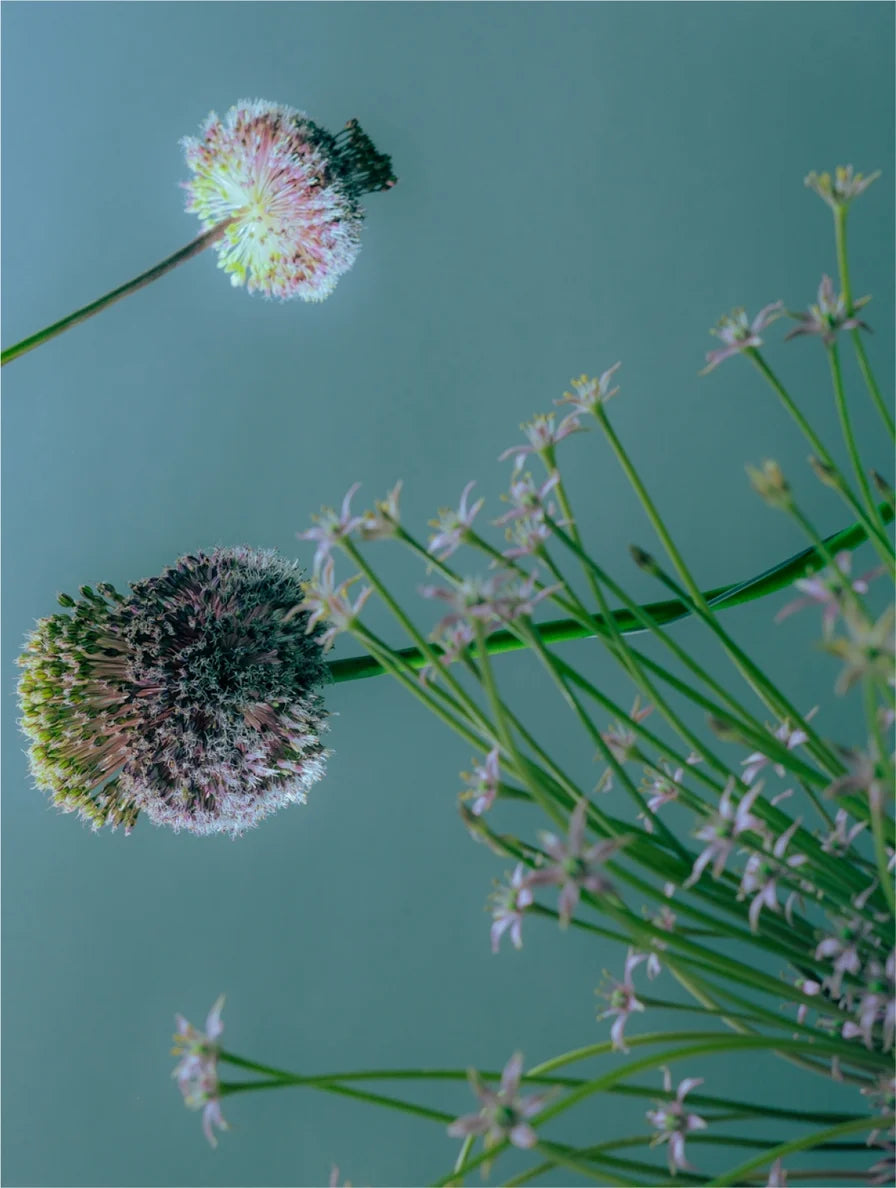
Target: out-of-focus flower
<point>792,737</point>
<point>866,772</point>
<point>197,1069</point>
<point>330,527</point>
<point>490,601</point>
<point>292,191</point>
<point>846,948</point>
<point>622,1000</point>
<point>867,649</point>
<point>194,699</point>
<point>876,1005</point>
<point>673,1122</point>
<point>842,188</point>
<point>575,866</point>
<point>504,1113</point>
<point>325,602</point>
<point>384,520</point>
<point>453,526</point>
<point>761,875</point>
<point>768,481</point>
<point>739,334</point>
<point>660,786</point>
<point>723,828</point>
<point>842,835</point>
<point>482,784</point>
<point>829,315</point>
<point>621,740</point>
<point>527,519</point>
<point>509,904</point>
<point>588,394</point>
<point>542,436</point>
<point>826,589</point>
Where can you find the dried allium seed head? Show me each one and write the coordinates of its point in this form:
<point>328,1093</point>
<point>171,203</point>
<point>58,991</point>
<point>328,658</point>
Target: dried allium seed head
<point>193,700</point>
<point>292,190</point>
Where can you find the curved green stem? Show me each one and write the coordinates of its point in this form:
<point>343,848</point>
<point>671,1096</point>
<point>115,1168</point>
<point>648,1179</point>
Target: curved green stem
<point>145,278</point>
<point>667,611</point>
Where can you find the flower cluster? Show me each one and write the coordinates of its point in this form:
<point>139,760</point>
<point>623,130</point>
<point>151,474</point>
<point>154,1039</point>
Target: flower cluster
<point>197,1069</point>
<point>194,699</point>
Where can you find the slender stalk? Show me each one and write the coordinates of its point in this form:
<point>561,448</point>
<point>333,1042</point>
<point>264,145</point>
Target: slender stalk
<point>145,278</point>
<point>840,213</point>
<point>667,611</point>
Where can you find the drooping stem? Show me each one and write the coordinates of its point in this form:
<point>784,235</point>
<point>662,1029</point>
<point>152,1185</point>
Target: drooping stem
<point>662,613</point>
<point>145,278</point>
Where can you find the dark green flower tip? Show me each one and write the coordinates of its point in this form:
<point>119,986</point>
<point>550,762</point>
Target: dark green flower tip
<point>194,699</point>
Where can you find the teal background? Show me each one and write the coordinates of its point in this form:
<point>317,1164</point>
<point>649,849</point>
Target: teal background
<point>579,183</point>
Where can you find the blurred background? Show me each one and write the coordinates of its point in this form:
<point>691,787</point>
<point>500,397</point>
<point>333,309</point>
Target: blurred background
<point>579,184</point>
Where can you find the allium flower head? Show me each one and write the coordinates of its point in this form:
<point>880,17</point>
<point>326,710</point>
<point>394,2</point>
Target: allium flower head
<point>193,699</point>
<point>292,190</point>
<point>197,1069</point>
<point>588,393</point>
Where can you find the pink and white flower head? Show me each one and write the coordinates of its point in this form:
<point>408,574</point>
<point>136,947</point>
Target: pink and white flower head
<point>482,784</point>
<point>504,1113</point>
<point>291,190</point>
<point>197,1069</point>
<point>490,601</point>
<point>762,873</point>
<point>673,1122</point>
<point>738,333</point>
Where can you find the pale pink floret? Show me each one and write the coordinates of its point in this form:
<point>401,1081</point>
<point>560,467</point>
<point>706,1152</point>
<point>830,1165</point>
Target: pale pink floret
<point>576,867</point>
<point>673,1122</point>
<point>622,1001</point>
<point>542,436</point>
<point>826,589</point>
<point>329,528</point>
<point>197,1069</point>
<point>720,832</point>
<point>330,604</point>
<point>588,394</point>
<point>792,737</point>
<point>510,903</point>
<point>504,1114</point>
<point>453,526</point>
<point>739,334</point>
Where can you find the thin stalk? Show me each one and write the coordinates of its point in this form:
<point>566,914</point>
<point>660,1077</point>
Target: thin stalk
<point>840,213</point>
<point>849,436</point>
<point>736,1174</point>
<point>139,282</point>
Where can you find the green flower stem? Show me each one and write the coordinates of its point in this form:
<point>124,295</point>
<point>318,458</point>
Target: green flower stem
<point>648,1173</point>
<point>736,1175</point>
<point>662,613</point>
<point>425,648</point>
<point>850,440</point>
<point>875,802</point>
<point>748,727</point>
<point>840,213</point>
<point>877,538</point>
<point>560,1156</point>
<point>394,1103</point>
<point>761,684</point>
<point>145,278</point>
